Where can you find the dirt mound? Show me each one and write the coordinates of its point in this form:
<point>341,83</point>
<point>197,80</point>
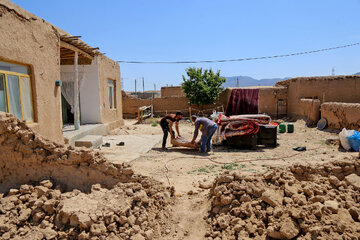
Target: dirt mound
<point>304,202</point>
<point>48,190</point>
<point>127,211</point>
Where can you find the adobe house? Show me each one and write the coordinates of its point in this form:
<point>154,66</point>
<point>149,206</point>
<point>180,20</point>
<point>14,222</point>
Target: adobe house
<point>35,57</point>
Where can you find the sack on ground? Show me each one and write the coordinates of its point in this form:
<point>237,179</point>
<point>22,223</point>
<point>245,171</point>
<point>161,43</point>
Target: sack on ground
<point>343,135</point>
<point>354,141</point>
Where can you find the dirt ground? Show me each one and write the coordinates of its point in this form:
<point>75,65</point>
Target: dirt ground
<point>192,173</point>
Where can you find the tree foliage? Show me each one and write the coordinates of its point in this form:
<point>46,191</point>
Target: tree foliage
<point>202,87</point>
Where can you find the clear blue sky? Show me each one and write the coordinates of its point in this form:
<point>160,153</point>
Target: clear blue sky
<point>164,30</point>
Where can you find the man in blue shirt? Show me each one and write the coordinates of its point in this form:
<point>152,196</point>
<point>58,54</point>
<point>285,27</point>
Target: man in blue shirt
<point>208,128</point>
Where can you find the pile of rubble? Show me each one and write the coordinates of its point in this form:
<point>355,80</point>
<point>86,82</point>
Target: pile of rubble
<point>303,202</point>
<point>26,156</point>
<point>52,191</point>
<point>127,211</point>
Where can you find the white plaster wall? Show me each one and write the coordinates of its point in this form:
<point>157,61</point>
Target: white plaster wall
<point>89,92</point>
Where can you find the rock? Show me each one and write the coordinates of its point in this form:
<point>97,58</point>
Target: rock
<point>333,206</point>
<point>13,192</point>
<point>129,192</point>
<point>49,206</point>
<point>353,180</point>
<point>38,215</point>
<point>225,200</point>
<point>299,199</point>
<point>98,229</point>
<point>225,178</point>
<point>205,185</point>
<point>289,228</point>
<point>272,197</point>
<point>112,227</point>
<point>141,196</point>
<point>223,221</point>
<point>49,233</point>
<point>46,183</point>
<point>334,180</point>
<point>271,232</point>
<point>41,190</point>
<point>278,211</point>
<point>137,236</point>
<point>355,213</point>
<point>149,234</point>
<point>26,189</point>
<point>219,190</point>
<point>24,215</point>
<point>83,236</point>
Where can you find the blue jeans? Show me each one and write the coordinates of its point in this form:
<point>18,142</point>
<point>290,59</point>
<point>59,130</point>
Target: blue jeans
<point>206,140</point>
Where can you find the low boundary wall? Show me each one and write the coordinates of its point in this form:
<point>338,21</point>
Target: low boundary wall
<point>341,115</point>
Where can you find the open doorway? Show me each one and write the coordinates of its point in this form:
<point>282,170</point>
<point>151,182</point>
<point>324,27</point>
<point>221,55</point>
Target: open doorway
<point>67,115</point>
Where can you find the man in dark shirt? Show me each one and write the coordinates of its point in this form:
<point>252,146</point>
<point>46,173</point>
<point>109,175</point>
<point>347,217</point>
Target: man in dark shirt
<point>208,128</point>
<point>166,124</point>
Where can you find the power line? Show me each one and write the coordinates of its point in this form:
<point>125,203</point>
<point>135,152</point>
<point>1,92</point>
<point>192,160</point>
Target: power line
<point>240,59</point>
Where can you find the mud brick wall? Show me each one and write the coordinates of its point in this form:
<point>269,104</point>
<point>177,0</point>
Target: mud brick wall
<point>341,115</point>
<point>28,40</point>
<point>309,109</point>
<point>268,98</point>
<point>327,89</point>
<point>172,92</point>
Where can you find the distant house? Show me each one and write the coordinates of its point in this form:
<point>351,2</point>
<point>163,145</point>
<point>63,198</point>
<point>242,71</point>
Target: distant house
<point>36,57</point>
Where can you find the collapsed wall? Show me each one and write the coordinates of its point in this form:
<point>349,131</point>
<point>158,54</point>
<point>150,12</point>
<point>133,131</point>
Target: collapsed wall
<point>51,191</point>
<point>341,115</point>
<point>304,202</point>
<point>26,156</point>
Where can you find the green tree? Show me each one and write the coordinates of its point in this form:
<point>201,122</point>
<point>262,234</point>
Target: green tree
<point>202,87</point>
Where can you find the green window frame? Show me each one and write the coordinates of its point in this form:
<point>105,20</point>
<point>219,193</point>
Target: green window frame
<point>16,91</point>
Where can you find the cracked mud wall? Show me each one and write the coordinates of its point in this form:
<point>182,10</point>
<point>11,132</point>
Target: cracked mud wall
<point>29,40</point>
<point>342,115</point>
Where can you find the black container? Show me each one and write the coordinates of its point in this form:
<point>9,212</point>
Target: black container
<point>267,136</point>
<point>243,142</point>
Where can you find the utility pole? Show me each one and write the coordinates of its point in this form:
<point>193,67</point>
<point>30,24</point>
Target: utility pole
<point>143,87</point>
<point>135,85</point>
<point>154,90</point>
<point>237,82</point>
<point>122,83</point>
<point>333,71</point>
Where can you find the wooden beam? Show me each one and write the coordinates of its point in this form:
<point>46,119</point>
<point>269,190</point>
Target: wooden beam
<point>74,37</point>
<point>75,49</point>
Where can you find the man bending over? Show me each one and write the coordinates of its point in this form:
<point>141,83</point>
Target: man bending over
<point>166,124</point>
<point>208,128</point>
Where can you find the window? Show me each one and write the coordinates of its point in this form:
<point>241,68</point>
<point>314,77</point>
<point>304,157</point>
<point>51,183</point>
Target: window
<point>111,94</point>
<point>15,91</point>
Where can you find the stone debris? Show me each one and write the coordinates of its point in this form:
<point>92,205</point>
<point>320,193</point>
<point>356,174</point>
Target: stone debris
<point>52,191</point>
<point>303,202</point>
<point>26,156</point>
<point>101,214</point>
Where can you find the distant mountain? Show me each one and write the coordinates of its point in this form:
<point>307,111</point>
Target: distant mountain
<point>357,73</point>
<point>245,81</point>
